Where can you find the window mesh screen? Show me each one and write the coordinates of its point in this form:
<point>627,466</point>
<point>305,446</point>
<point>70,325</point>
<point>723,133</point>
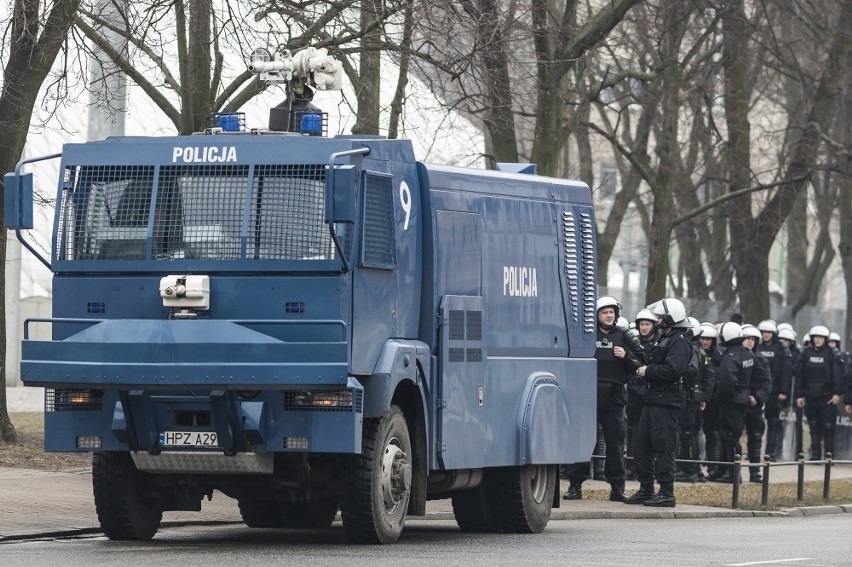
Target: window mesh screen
<point>105,213</point>
<point>207,212</point>
<point>288,209</point>
<point>199,212</point>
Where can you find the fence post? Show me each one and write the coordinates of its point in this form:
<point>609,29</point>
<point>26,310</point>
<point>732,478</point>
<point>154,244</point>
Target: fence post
<point>735,477</point>
<point>764,490</point>
<point>826,481</point>
<point>800,487</point>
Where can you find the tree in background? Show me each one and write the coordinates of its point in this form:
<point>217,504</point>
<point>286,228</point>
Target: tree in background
<point>34,39</point>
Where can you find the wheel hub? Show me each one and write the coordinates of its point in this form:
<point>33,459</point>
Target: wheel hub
<point>396,476</point>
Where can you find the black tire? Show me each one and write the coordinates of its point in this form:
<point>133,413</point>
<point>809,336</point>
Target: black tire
<point>318,514</point>
<point>473,511</point>
<point>124,512</point>
<point>522,497</point>
<point>379,481</point>
<point>260,514</point>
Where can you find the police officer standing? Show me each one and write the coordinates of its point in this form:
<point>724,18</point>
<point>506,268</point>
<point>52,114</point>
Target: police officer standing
<point>819,384</point>
<point>617,358</point>
<point>760,387</point>
<point>694,403</point>
<point>656,434</point>
<point>636,388</point>
<point>781,370</point>
<point>733,381</point>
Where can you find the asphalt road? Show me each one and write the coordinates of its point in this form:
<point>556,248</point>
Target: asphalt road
<point>740,542</point>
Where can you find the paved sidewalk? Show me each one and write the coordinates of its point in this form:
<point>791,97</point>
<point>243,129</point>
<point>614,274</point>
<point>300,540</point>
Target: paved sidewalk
<point>35,503</point>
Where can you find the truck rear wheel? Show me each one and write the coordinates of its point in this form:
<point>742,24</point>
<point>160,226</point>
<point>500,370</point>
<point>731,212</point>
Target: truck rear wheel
<point>521,497</point>
<point>379,481</point>
<point>124,512</point>
<point>473,511</point>
<point>317,514</point>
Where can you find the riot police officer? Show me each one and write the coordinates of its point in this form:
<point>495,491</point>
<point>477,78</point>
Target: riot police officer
<point>618,355</point>
<point>689,422</point>
<point>647,331</point>
<point>818,388</point>
<point>760,387</point>
<point>655,441</point>
<point>781,370</point>
<point>733,381</point>
<point>710,416</point>
<point>789,339</point>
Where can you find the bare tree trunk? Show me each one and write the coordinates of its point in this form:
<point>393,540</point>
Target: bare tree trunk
<point>763,230</point>
<point>369,84</point>
<point>845,207</point>
<point>34,45</point>
<point>402,82</point>
<point>752,275</point>
<point>663,211</point>
<point>557,51</point>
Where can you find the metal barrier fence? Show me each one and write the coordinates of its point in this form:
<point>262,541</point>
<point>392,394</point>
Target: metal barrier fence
<point>828,462</point>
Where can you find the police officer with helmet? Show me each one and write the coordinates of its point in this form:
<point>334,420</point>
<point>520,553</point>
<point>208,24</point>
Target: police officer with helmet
<point>733,390</point>
<point>618,354</point>
<point>760,387</point>
<point>819,385</point>
<point>781,370</point>
<point>656,434</point>
<point>646,327</point>
<point>694,402</point>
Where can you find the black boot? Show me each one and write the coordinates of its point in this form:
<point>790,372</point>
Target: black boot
<point>616,492</point>
<point>645,492</point>
<point>713,446</point>
<point>665,498</point>
<point>575,492</point>
<point>754,462</point>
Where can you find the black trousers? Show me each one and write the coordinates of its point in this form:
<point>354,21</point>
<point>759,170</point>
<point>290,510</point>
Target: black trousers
<point>655,444</point>
<point>689,425</point>
<point>611,421</point>
<point>774,426</point>
<point>822,419</point>
<point>634,411</point>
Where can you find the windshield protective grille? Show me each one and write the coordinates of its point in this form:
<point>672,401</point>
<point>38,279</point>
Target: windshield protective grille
<point>206,212</point>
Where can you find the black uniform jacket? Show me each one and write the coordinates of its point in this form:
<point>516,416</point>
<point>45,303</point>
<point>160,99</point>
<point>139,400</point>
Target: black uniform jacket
<point>733,376</point>
<point>818,373</point>
<point>780,365</point>
<point>667,365</point>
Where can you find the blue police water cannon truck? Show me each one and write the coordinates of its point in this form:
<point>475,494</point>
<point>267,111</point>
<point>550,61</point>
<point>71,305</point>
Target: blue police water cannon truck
<point>311,324</point>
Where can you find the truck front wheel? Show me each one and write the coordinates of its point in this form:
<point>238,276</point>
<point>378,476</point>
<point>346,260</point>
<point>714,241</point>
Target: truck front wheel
<point>124,511</point>
<point>379,481</point>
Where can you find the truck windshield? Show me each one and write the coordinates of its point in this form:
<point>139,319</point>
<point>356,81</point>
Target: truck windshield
<point>194,212</point>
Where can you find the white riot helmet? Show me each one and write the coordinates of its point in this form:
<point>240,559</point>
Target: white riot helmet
<point>671,312</point>
<point>750,331</point>
<point>819,331</point>
<point>708,331</point>
<point>767,325</point>
<point>622,323</point>
<point>785,326</point>
<point>645,315</point>
<point>609,301</point>
<point>695,327</point>
<point>788,334</point>
<point>730,332</point>
<point>834,337</point>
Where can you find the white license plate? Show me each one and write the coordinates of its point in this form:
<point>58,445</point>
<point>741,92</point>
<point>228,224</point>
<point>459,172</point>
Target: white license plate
<point>188,439</point>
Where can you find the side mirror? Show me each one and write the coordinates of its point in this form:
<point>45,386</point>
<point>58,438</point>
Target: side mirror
<point>18,200</point>
<point>340,190</point>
